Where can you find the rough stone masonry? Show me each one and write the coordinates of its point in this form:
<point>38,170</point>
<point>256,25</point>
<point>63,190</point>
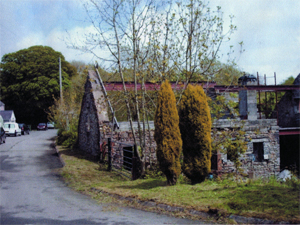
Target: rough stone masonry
<point>93,114</point>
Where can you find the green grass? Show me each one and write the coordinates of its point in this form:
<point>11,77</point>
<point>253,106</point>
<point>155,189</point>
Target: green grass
<point>267,199</point>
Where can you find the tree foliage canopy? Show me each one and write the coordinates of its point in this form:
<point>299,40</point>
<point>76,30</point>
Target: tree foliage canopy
<point>226,74</point>
<point>288,81</point>
<point>30,81</point>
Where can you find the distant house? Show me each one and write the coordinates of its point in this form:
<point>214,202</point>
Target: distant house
<point>8,116</point>
<point>2,106</point>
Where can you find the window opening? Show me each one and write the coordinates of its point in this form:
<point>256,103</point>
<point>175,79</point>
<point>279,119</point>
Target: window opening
<point>258,151</point>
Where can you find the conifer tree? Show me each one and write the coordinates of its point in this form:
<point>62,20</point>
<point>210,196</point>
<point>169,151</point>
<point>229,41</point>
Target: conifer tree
<point>195,128</point>
<point>167,134</point>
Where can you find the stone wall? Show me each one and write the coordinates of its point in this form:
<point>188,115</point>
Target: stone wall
<point>123,137</point>
<point>262,133</point>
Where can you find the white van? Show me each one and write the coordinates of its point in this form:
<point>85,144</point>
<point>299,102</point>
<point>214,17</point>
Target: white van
<point>1,121</point>
<point>12,129</point>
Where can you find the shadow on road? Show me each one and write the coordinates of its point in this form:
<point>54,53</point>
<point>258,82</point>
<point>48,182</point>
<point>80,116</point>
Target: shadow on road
<point>8,218</point>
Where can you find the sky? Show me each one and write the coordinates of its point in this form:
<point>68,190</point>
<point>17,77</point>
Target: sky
<point>269,30</point>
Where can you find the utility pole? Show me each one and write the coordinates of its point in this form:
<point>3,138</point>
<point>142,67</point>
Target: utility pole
<point>60,82</point>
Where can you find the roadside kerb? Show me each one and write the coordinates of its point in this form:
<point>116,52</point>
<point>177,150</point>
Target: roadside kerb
<point>58,153</point>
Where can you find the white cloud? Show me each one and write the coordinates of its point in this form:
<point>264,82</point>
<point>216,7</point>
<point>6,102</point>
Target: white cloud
<point>269,29</point>
<point>58,40</point>
<point>30,40</point>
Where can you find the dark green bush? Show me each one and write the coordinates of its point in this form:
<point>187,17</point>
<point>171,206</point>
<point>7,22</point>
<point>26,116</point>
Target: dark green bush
<point>195,128</point>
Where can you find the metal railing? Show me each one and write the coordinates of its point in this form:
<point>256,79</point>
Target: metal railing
<point>120,157</point>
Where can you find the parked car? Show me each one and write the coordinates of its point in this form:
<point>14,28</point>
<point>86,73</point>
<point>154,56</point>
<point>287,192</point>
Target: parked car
<point>2,135</point>
<point>12,129</point>
<point>24,128</point>
<point>50,125</point>
<point>42,126</point>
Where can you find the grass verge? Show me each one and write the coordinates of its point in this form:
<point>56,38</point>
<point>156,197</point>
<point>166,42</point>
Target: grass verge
<point>265,199</point>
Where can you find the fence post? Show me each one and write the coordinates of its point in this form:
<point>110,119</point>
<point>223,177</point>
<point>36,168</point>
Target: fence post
<point>133,169</point>
<point>109,155</point>
<point>134,172</point>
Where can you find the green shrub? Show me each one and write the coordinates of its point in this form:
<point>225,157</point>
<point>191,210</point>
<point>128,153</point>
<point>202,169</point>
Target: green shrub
<point>60,138</point>
<point>71,139</point>
<point>195,128</point>
<point>67,138</point>
<point>167,134</point>
<point>153,172</point>
<point>293,183</point>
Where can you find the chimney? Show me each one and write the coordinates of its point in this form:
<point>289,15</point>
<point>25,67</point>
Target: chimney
<point>247,98</point>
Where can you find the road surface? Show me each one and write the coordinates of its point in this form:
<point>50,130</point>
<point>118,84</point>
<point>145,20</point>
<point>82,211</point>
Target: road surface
<point>32,193</point>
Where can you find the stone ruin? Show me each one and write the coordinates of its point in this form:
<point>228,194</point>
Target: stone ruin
<point>262,158</point>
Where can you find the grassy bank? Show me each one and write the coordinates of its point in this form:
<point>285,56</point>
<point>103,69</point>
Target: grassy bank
<point>267,199</point>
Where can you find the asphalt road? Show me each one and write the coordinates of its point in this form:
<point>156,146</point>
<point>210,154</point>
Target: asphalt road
<point>32,193</point>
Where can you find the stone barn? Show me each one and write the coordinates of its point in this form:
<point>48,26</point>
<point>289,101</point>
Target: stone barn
<point>92,116</point>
